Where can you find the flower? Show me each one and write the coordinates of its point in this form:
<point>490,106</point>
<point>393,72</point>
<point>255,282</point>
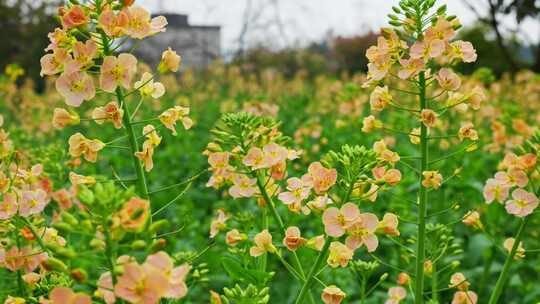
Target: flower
<point>74,17</point>
<point>448,80</point>
<point>140,25</point>
<point>465,297</point>
<point>134,214</point>
<point>362,232</point>
<point>14,300</point>
<point>218,223</point>
<point>472,219</point>
<point>370,123</point>
<point>292,239</point>
<point>52,64</point>
<point>138,284</point>
<point>336,221</point>
<point>75,87</point>
<point>80,145</point>
<point>321,178</point>
<point>462,50</point>
<point>442,30</point>
<point>147,86</point>
<point>396,295</point>
<point>113,24</point>
<point>476,97</point>
<point>274,154</point>
<point>411,67</point>
<point>495,190</point>
<point>84,53</point>
<point>172,115</point>
<point>380,98</point>
<point>77,179</point>
<point>522,204</point>
<point>110,112</point>
<point>428,118</point>
<point>146,155</point>
<point>9,206</point>
<point>316,243</point>
<point>25,258</point>
<point>33,202</point>
<point>243,186</point>
<point>427,49</point>
<point>64,295</point>
<point>170,61</point>
<point>432,179</point>
<point>514,177</point>
<point>389,224</point>
<point>254,158</point>
<point>63,118</point>
<point>176,276</point>
<point>403,278</point>
<point>117,71</point>
<point>520,250</point>
<point>339,255</point>
<point>459,281</point>
<point>298,191</point>
<point>392,177</point>
<point>332,295</point>
<point>233,237</point>
<point>467,131</point>
<point>263,244</point>
<point>105,289</point>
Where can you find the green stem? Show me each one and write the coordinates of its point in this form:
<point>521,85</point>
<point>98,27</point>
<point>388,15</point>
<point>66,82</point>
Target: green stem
<point>422,200</point>
<point>503,277</point>
<point>109,252</point>
<point>363,290</point>
<point>312,272</point>
<point>142,187</point>
<point>434,284</point>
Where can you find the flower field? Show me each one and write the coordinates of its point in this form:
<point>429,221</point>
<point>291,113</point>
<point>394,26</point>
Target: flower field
<point>128,183</point>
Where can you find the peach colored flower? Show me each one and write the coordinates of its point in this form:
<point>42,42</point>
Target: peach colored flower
<point>340,255</point>
<point>233,237</point>
<point>64,295</point>
<point>392,177</point>
<point>218,224</point>
<point>321,178</point>
<point>472,219</point>
<point>432,179</point>
<point>509,244</point>
<point>63,118</point>
<point>117,71</point>
<point>476,97</point>
<point>332,295</point>
<point>410,67</point>
<point>77,179</point>
<point>26,258</point>
<point>448,80</point>
<point>146,155</point>
<point>105,289</point>
<point>113,24</point>
<point>74,17</point>
<point>111,112</point>
<point>462,50</point>
<point>219,161</point>
<point>151,134</point>
<point>147,86</point>
<point>396,295</point>
<point>170,61</point>
<point>370,123</point>
<point>465,297</point>
<point>514,177</point>
<point>403,278</point>
<point>84,53</point>
<point>80,145</point>
<point>428,118</point>
<point>389,224</point>
<point>254,159</point>
<point>336,221</point>
<point>141,285</point>
<point>140,25</point>
<point>319,204</point>
<point>176,276</point>
<point>274,154</point>
<point>427,49</point>
<point>9,206</point>
<point>75,87</point>
<point>522,204</point>
<point>362,232</point>
<point>384,153</point>
<point>316,243</point>
<point>292,239</point>
<point>467,131</point>
<point>243,186</point>
<point>134,214</point>
<point>263,244</point>
<point>527,161</point>
<point>32,202</point>
<point>298,192</point>
<point>459,281</point>
<point>172,115</point>
<point>380,98</point>
<point>442,30</point>
<point>496,190</point>
<point>14,300</point>
<point>52,64</point>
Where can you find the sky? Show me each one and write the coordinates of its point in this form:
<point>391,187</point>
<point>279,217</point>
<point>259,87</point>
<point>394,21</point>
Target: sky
<point>303,21</point>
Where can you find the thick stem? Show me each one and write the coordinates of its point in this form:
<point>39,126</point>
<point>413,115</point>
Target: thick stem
<point>503,277</point>
<point>422,199</point>
<point>312,273</point>
<point>142,187</point>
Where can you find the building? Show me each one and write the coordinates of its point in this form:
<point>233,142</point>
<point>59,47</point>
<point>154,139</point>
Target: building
<point>198,45</point>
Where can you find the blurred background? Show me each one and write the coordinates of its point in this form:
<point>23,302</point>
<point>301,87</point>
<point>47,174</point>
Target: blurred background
<point>320,36</point>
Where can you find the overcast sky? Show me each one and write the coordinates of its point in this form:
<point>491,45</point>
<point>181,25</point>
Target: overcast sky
<point>303,20</point>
